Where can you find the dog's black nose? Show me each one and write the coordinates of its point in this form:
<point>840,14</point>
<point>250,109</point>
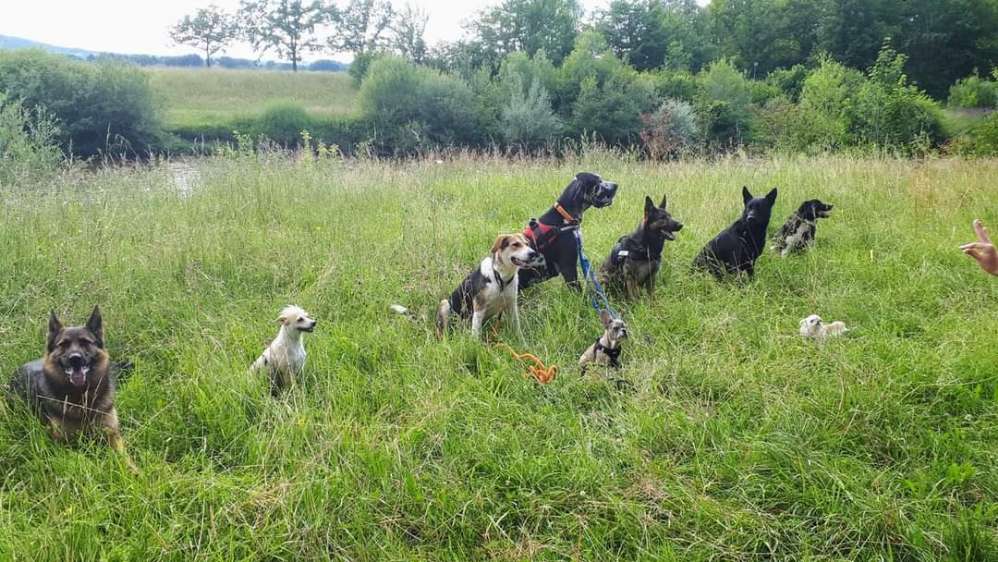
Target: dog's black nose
<point>76,360</point>
<point>679,226</point>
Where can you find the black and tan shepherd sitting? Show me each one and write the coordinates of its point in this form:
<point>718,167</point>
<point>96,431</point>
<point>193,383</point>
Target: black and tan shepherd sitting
<point>635,259</point>
<point>72,387</point>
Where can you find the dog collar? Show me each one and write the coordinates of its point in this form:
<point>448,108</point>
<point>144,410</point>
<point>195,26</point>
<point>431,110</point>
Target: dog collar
<point>565,214</point>
<point>499,280</point>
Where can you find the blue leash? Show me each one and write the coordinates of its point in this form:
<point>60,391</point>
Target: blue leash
<point>598,296</point>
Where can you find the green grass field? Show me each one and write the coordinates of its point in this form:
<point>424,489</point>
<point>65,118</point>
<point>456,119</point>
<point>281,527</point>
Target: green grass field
<point>193,98</point>
<point>737,440</point>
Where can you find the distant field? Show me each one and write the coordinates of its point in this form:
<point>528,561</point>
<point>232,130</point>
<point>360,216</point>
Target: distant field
<point>735,440</point>
<point>197,97</point>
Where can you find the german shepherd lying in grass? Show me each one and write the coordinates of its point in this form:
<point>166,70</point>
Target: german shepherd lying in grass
<point>72,387</point>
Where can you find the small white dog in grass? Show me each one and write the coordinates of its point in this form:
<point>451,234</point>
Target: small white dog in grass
<point>284,358</point>
<point>813,327</point>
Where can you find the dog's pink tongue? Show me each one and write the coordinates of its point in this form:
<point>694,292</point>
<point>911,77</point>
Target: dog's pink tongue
<point>78,377</point>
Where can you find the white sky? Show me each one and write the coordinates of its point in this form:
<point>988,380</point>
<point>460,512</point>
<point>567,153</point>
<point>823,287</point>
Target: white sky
<point>141,26</point>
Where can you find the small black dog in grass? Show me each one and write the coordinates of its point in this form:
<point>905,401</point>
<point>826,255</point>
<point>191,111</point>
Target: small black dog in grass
<point>635,260</point>
<point>552,235</point>
<point>72,387</point>
<point>797,234</point>
<point>736,248</point>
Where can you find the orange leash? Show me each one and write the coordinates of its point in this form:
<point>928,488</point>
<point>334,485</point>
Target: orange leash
<point>538,370</point>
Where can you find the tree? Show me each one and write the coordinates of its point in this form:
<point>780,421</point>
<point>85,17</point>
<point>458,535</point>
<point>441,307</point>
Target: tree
<point>210,29</point>
<point>287,26</point>
<point>636,31</point>
<point>361,27</point>
<point>529,26</point>
<point>408,33</point>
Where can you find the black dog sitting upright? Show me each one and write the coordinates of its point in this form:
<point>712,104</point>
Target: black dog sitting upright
<point>797,234</point>
<point>737,247</point>
<point>552,234</point>
<point>636,258</point>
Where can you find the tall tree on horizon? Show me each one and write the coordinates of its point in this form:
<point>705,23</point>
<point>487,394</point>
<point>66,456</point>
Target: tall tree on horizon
<point>529,26</point>
<point>209,29</point>
<point>289,27</point>
<point>361,27</point>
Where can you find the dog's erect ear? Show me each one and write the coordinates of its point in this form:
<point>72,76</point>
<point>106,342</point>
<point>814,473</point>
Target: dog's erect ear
<point>771,197</point>
<point>649,206</point>
<point>605,318</point>
<point>663,203</point>
<point>96,325</point>
<point>501,243</point>
<point>55,326</point>
<point>746,195</point>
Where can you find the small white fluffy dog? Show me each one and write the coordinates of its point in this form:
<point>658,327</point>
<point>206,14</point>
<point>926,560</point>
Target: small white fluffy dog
<point>284,358</point>
<point>814,327</point>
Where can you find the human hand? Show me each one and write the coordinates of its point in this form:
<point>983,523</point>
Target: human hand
<point>983,250</point>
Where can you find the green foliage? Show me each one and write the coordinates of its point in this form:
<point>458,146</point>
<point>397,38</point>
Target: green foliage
<point>790,81</point>
<point>528,120</point>
<point>891,113</point>
<point>973,92</point>
<point>283,123</point>
<point>209,30</point>
<point>724,104</point>
<point>981,139</point>
<point>671,130</point>
<point>104,107</point>
<point>675,84</point>
<point>636,31</point>
<point>361,64</point>
<point>27,144</point>
<point>415,108</point>
<point>286,27</point>
<point>528,26</point>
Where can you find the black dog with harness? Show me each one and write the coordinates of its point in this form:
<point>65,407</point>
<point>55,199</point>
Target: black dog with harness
<point>552,234</point>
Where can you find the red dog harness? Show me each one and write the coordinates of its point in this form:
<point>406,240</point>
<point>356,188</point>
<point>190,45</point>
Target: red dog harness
<point>541,235</point>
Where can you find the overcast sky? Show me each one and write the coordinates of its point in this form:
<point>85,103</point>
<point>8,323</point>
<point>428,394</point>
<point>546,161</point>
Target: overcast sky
<point>141,26</point>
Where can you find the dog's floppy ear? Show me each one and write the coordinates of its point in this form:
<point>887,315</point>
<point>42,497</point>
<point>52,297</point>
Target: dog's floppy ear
<point>55,326</point>
<point>771,197</point>
<point>746,194</point>
<point>663,203</point>
<point>649,206</point>
<point>605,318</point>
<point>501,243</point>
<point>96,326</point>
<point>282,319</point>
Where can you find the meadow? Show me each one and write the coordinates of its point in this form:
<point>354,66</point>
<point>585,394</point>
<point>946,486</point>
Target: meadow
<point>206,98</point>
<point>735,440</point>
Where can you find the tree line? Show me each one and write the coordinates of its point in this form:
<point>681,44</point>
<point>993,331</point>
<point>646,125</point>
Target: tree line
<point>943,40</point>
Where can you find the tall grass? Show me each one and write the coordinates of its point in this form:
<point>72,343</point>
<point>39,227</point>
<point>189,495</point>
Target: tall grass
<point>736,440</point>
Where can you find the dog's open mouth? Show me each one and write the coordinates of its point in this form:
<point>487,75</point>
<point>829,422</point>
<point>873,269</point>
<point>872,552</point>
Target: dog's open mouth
<point>77,375</point>
<point>825,214</point>
<point>308,329</point>
<point>668,235</point>
<point>537,260</point>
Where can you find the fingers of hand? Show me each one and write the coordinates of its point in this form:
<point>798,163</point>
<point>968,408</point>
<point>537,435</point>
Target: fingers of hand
<point>982,232</point>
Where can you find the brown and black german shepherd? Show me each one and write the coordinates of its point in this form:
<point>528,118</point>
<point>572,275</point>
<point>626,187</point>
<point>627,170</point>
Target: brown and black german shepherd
<point>72,387</point>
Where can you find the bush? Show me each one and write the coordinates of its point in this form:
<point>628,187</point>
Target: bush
<point>723,105</point>
<point>603,95</point>
<point>981,139</point>
<point>973,92</point>
<point>890,113</point>
<point>790,81</point>
<point>104,107</point>
<point>675,84</point>
<point>414,108</point>
<point>671,131</point>
<point>283,123</point>
<point>27,143</point>
<point>361,64</point>
<point>528,120</point>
